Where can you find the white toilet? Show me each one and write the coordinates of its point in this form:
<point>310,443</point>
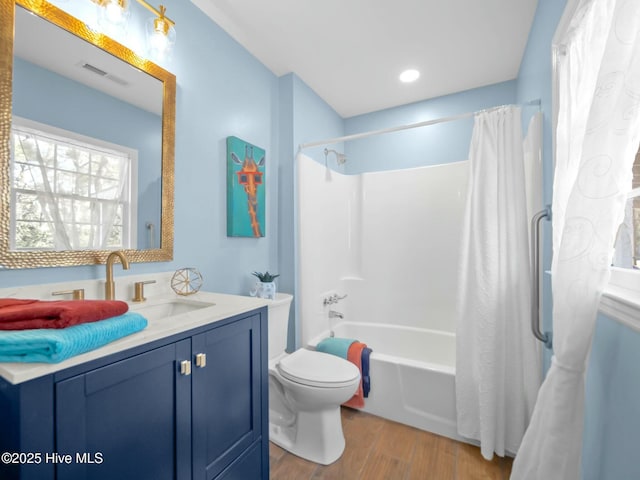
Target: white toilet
<point>306,389</point>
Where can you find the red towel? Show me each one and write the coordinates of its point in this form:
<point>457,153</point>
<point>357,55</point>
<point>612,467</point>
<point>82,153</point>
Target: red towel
<point>354,355</point>
<point>17,314</point>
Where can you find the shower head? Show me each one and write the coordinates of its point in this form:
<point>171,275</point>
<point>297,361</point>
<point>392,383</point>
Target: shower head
<point>341,158</point>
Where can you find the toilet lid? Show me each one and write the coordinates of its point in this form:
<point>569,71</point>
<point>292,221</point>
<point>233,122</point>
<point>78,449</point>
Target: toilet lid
<point>318,369</point>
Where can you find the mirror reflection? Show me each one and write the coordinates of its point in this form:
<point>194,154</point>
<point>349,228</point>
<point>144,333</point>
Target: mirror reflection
<point>86,142</point>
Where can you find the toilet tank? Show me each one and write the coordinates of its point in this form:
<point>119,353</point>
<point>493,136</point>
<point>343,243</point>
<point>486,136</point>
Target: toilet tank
<point>278,323</point>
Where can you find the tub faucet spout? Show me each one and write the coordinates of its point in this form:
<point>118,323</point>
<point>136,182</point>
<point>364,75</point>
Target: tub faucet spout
<point>110,286</point>
<point>334,314</point>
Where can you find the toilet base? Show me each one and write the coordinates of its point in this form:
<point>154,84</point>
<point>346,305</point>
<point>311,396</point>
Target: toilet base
<point>315,436</point>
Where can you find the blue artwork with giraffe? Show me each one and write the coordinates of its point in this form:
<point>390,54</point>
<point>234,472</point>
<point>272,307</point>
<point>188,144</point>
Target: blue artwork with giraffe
<point>245,189</point>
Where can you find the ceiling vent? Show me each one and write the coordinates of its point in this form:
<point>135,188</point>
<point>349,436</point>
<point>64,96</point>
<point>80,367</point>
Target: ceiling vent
<point>95,70</point>
<point>118,80</point>
<point>102,73</point>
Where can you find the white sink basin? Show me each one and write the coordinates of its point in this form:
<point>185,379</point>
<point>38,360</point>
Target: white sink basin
<point>163,308</point>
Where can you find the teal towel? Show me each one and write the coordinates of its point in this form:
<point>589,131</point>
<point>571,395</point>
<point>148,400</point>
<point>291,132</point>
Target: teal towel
<point>335,346</point>
<point>50,345</point>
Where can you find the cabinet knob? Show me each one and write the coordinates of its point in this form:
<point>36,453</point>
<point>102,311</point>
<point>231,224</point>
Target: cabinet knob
<point>185,367</point>
<point>201,360</point>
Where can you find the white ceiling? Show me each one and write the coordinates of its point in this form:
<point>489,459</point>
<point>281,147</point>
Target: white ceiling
<point>42,43</point>
<point>350,52</point>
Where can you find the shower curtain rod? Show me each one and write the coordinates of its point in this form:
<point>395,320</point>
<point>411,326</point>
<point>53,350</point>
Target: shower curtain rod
<point>372,133</point>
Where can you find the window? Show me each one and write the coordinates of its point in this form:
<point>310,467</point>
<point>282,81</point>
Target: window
<point>69,192</point>
<point>621,298</point>
<point>627,247</point>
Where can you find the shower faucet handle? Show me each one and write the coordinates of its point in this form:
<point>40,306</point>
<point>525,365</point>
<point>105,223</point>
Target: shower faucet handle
<point>331,299</point>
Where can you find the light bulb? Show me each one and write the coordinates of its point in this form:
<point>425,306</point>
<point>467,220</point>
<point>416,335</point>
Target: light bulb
<point>161,36</point>
<point>409,76</point>
<point>114,13</point>
<point>113,16</point>
<point>159,42</point>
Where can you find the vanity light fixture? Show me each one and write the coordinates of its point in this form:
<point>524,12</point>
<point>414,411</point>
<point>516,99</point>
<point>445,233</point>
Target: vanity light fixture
<point>161,34</point>
<point>112,13</point>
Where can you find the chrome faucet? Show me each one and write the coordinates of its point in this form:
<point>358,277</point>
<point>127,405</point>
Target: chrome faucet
<point>335,298</point>
<point>110,286</point>
<point>334,314</point>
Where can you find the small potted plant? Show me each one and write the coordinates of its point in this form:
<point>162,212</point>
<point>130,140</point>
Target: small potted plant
<point>266,287</point>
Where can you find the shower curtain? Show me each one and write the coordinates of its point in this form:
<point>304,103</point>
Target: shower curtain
<point>497,364</point>
<point>598,132</point>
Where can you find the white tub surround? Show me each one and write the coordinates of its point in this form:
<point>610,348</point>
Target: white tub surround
<point>389,241</point>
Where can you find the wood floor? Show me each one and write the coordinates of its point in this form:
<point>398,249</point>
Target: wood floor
<point>379,449</point>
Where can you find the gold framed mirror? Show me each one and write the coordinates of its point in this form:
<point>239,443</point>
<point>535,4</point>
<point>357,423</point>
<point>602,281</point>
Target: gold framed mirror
<point>158,246</point>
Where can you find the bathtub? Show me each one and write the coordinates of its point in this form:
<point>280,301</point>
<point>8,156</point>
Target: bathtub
<point>412,374</point>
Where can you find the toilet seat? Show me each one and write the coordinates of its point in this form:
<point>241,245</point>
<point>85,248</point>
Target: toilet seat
<point>318,369</point>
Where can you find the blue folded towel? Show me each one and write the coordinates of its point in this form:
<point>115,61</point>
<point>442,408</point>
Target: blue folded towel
<point>54,345</point>
<point>366,379</point>
<point>335,346</point>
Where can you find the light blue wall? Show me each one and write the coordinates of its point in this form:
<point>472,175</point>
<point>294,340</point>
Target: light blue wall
<point>612,416</point>
<point>49,98</point>
<point>435,144</point>
<point>222,90</point>
<point>304,118</point>
<point>314,120</point>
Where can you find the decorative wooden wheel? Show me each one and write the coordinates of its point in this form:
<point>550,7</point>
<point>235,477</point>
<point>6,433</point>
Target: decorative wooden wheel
<point>186,281</point>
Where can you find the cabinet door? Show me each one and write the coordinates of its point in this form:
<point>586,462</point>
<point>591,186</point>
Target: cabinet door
<point>247,466</point>
<point>226,396</point>
<point>130,419</point>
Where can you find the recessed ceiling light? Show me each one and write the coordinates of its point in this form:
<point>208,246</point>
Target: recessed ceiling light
<point>409,76</point>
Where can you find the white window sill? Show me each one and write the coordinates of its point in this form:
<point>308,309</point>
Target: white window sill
<point>621,298</point>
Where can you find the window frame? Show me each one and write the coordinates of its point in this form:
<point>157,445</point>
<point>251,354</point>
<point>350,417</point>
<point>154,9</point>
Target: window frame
<point>130,214</point>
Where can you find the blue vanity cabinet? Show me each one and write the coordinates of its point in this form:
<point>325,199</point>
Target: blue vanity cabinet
<point>142,414</point>
<point>130,419</point>
<point>228,393</point>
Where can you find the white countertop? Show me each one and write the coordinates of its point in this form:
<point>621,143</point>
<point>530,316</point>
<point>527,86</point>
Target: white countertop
<point>225,306</point>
